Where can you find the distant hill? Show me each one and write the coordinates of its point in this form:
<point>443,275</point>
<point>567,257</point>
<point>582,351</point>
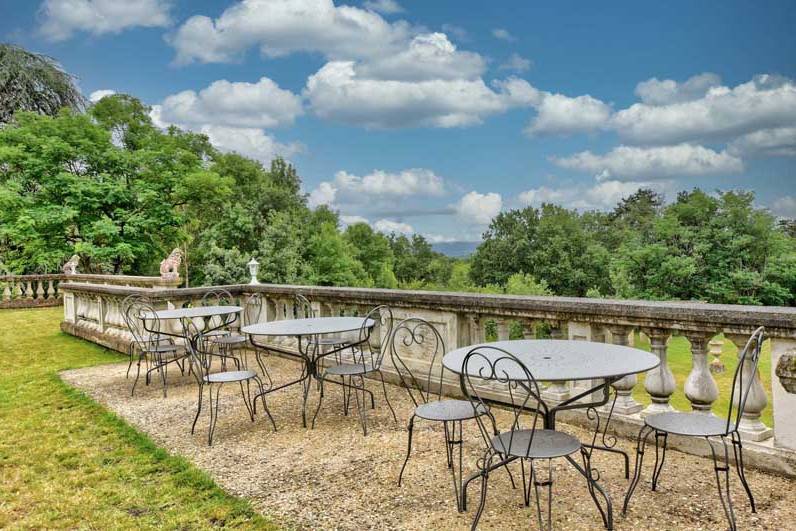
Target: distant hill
<point>455,249</point>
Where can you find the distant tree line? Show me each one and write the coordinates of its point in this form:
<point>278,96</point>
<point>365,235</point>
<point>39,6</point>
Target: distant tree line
<point>104,182</point>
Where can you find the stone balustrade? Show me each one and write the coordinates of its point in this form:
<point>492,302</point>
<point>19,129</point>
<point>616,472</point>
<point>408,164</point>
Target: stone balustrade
<point>92,312</point>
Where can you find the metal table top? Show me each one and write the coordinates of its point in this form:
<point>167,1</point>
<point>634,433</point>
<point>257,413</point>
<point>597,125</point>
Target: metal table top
<point>308,327</point>
<point>558,360</point>
<point>197,311</point>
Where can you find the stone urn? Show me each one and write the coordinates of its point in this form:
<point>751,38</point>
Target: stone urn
<point>786,371</point>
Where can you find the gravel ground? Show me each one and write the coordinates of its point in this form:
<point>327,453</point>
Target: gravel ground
<point>333,477</point>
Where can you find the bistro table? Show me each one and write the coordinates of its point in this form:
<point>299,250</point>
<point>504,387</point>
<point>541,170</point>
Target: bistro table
<point>226,314</point>
<point>549,360</point>
<point>309,352</point>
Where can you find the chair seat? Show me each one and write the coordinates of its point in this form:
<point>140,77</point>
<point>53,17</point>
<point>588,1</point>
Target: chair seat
<point>689,424</point>
<point>161,348</point>
<point>546,444</point>
<point>349,369</point>
<point>229,339</point>
<point>230,376</point>
<point>442,410</point>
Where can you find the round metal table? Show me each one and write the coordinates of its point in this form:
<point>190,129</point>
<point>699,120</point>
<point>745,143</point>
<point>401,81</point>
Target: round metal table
<point>227,314</point>
<point>555,360</point>
<point>309,353</point>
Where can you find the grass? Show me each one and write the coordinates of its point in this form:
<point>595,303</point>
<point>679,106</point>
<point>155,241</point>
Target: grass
<point>66,462</point>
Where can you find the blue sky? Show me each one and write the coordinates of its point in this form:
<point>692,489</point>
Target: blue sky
<point>433,116</point>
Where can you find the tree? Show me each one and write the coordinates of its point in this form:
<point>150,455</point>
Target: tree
<point>372,249</point>
<point>507,247</point>
<point>34,82</point>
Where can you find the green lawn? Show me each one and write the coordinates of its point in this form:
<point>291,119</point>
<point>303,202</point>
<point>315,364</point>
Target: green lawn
<point>65,462</point>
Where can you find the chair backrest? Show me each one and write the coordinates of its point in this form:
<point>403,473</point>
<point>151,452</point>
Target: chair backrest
<point>197,347</point>
<point>743,378</point>
<point>141,320</point>
<point>372,353</point>
<point>415,335</point>
<point>491,375</point>
<point>217,297</point>
<point>302,309</point>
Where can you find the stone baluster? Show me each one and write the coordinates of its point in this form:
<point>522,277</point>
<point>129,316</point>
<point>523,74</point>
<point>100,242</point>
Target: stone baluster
<point>751,427</point>
<point>715,347</point>
<point>40,289</point>
<point>700,387</point>
<point>51,290</point>
<point>17,289</point>
<point>6,292</point>
<point>625,403</point>
<point>476,329</point>
<point>502,329</point>
<point>29,290</point>
<point>659,382</point>
<point>557,391</point>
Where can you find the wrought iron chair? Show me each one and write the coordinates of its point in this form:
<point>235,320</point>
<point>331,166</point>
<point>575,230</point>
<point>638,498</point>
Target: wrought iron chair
<point>234,341</point>
<point>218,297</point>
<point>303,310</point>
<point>707,426</point>
<point>200,367</point>
<point>501,373</point>
<point>367,358</point>
<point>425,391</point>
<point>155,350</point>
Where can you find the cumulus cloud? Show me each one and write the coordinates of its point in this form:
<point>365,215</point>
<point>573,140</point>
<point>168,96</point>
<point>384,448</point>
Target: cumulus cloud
<point>601,195</point>
<point>779,142</point>
<point>239,104</point>
<point>351,220</point>
<point>664,92</point>
<point>478,209</point>
<point>516,63</point>
<point>280,27</point>
<point>502,34</point>
<point>765,102</point>
<point>387,7</point>
<point>559,114</point>
<point>97,95</point>
<point>388,227</point>
<point>62,18</point>
<point>378,185</point>
<point>337,93</point>
<point>665,162</point>
<point>785,206</point>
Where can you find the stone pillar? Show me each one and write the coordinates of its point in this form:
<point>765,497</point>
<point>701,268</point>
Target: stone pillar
<point>784,402</point>
<point>625,403</point>
<point>659,382</point>
<point>751,427</point>
<point>476,329</point>
<point>700,387</point>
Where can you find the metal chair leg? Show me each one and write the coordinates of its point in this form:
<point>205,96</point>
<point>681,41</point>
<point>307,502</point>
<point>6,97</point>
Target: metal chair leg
<point>384,388</point>
<point>198,409</point>
<point>723,469</point>
<point>548,483</point>
<point>737,450</point>
<point>487,461</point>
<point>656,470</point>
<point>410,428</point>
<point>641,443</point>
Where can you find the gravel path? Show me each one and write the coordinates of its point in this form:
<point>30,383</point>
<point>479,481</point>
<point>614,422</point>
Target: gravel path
<point>333,477</point>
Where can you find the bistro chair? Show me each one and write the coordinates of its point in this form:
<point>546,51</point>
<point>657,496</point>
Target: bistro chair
<point>415,339</point>
<point>151,348</point>
<point>707,426</point>
<point>303,309</point>
<point>488,372</point>
<point>213,382</point>
<point>367,358</point>
<point>218,297</point>
<point>236,342</point>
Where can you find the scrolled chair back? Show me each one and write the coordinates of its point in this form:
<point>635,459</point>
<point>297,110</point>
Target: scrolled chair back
<point>196,345</point>
<point>491,375</point>
<point>252,309</point>
<point>410,335</point>
<point>302,308</point>
<point>141,320</point>
<point>374,340</point>
<point>217,297</point>
<point>741,386</point>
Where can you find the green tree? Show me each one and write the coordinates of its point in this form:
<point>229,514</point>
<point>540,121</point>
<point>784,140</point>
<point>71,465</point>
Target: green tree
<point>372,249</point>
<point>34,82</point>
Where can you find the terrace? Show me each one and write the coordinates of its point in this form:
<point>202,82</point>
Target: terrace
<point>333,476</point>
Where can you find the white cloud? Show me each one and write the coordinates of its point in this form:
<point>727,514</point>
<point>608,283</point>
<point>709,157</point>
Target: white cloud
<point>765,102</point>
<point>62,18</point>
<point>785,206</point>
<point>239,104</point>
<point>280,27</point>
<point>427,56</point>
<point>251,142</point>
<point>666,162</point>
<point>502,34</point>
<point>656,92</point>
<point>559,114</point>
<point>351,220</point>
<point>457,31</point>
<point>337,93</point>
<point>378,185</point>
<point>779,142</point>
<point>601,195</point>
<point>516,63</point>
<point>478,209</point>
<point>388,227</point>
<point>388,7</point>
<point>97,95</point>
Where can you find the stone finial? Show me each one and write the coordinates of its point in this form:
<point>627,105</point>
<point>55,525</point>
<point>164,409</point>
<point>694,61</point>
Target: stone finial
<point>170,266</point>
<point>70,267</point>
